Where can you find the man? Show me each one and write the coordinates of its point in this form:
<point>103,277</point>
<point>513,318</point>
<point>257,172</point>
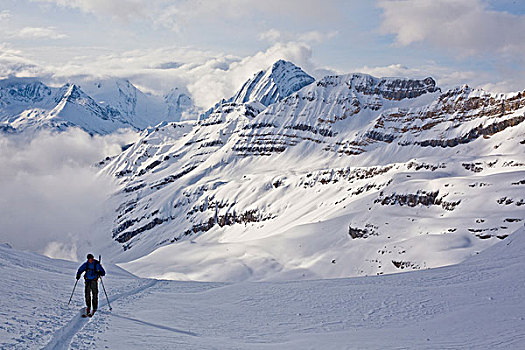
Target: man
<point>93,270</point>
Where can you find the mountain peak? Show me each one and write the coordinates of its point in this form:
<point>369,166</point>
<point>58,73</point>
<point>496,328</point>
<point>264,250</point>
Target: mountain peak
<point>273,84</point>
<point>280,63</point>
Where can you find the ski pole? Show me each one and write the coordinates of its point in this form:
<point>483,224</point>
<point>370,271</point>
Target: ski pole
<point>101,281</point>
<point>110,308</point>
<point>72,293</point>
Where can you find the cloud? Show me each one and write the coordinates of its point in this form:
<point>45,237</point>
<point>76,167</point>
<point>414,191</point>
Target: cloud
<point>124,9</point>
<point>14,62</point>
<point>446,77</point>
<point>5,15</point>
<point>39,33</point>
<point>208,76</point>
<point>465,27</point>
<point>238,9</point>
<point>507,85</point>
<point>50,191</point>
<point>176,15</point>
<point>317,37</point>
<point>310,37</point>
<point>271,35</point>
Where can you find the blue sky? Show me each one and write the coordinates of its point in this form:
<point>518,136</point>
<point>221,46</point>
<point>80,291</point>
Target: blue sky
<point>211,47</point>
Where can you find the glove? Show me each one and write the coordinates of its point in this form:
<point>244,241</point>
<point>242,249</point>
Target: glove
<point>78,277</point>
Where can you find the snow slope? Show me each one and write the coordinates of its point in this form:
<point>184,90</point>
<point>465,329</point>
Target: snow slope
<point>351,175</point>
<point>477,304</point>
<point>99,107</point>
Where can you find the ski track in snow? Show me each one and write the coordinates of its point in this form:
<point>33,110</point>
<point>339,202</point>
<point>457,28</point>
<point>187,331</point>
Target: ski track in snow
<point>62,338</point>
<point>477,304</point>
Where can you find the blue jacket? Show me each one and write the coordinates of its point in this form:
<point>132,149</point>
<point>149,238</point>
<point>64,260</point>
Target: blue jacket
<point>92,270</point>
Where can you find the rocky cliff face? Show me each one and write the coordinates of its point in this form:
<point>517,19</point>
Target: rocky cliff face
<point>362,166</point>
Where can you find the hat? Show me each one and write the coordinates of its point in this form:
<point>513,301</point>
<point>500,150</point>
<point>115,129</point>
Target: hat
<point>90,256</point>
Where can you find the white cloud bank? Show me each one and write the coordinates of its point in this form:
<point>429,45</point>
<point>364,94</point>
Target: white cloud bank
<point>467,27</point>
<point>38,33</point>
<point>50,191</point>
<point>208,76</point>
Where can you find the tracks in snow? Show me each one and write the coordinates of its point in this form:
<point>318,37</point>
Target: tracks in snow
<point>62,338</point>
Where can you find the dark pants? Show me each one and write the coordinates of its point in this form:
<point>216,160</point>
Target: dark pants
<point>91,287</point>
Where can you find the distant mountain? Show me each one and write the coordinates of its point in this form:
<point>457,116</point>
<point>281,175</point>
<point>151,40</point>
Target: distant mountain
<point>100,107</point>
<point>349,175</point>
<point>18,94</point>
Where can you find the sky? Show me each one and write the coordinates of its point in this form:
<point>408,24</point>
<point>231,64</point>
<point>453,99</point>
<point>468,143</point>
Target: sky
<point>211,47</point>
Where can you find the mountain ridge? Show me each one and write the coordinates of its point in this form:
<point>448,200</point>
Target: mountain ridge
<point>366,157</point>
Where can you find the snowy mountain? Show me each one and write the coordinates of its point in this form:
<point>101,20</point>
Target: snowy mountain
<point>273,84</point>
<point>350,175</point>
<point>476,304</point>
<point>16,94</point>
<point>102,107</point>
<point>268,86</point>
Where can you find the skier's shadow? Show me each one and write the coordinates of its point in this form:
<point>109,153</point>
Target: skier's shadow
<point>175,330</point>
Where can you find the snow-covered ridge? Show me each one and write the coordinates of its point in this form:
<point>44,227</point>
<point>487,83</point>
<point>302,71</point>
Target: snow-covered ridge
<point>379,175</point>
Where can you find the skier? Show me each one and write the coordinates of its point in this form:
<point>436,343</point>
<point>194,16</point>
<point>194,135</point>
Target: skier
<point>93,270</point>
